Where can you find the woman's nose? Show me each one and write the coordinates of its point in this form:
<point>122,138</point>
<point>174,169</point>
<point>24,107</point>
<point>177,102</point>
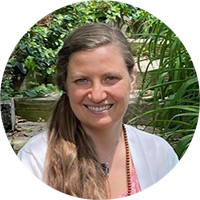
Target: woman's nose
<point>97,93</point>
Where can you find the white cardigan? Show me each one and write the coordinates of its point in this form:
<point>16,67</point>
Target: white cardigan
<point>152,156</point>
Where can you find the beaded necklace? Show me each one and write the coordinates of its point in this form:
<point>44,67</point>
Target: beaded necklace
<point>128,163</point>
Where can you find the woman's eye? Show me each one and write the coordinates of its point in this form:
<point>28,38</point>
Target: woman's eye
<point>112,79</point>
<point>81,81</point>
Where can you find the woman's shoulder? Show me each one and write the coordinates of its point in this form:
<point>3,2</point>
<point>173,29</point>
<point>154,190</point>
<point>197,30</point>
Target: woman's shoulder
<point>132,130</point>
<point>33,154</point>
<point>26,175</point>
<point>149,143</point>
<point>153,157</point>
<point>36,145</point>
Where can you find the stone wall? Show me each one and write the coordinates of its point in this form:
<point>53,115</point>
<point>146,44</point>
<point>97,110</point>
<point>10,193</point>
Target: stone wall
<point>8,115</point>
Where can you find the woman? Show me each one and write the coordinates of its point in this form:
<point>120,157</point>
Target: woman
<point>87,151</point>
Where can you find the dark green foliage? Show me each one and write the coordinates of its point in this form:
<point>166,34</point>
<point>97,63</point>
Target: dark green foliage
<point>42,91</point>
<point>37,49</point>
<point>7,90</point>
<point>31,32</point>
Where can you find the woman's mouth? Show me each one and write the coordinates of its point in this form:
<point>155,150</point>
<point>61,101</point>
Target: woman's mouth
<point>99,108</point>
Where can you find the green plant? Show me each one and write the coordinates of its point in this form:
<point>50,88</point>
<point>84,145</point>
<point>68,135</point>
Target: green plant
<point>112,12</point>
<point>42,91</point>
<point>6,90</point>
<point>175,102</point>
<point>41,120</point>
<point>35,54</point>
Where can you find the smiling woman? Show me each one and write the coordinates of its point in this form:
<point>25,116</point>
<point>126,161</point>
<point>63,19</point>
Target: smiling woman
<point>98,86</point>
<point>88,152</point>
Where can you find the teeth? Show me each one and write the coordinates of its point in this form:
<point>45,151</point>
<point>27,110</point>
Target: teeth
<point>99,109</point>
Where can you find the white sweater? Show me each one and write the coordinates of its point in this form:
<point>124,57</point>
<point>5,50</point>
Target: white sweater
<point>152,156</point>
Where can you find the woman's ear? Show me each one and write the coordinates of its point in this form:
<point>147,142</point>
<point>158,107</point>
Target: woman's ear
<point>133,78</point>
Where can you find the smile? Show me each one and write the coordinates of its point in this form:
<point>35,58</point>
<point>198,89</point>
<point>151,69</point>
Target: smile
<point>99,108</point>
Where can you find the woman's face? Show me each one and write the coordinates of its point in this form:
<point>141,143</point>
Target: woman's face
<point>98,86</point>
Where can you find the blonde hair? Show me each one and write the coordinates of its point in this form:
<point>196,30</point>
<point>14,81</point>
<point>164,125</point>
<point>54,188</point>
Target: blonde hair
<point>72,165</point>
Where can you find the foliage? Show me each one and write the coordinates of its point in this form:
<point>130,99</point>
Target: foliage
<point>7,91</point>
<point>175,102</point>
<point>37,49</point>
<point>42,91</point>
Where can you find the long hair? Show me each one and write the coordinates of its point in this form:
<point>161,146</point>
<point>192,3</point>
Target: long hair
<point>72,165</point>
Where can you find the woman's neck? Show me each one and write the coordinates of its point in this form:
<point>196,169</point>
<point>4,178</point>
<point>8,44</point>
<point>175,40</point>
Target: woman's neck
<point>105,139</point>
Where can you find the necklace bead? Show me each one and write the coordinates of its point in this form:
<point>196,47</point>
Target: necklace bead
<point>128,169</point>
<point>128,163</point>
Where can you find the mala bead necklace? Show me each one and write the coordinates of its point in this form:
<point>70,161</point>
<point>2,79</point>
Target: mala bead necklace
<point>105,166</point>
<point>128,161</point>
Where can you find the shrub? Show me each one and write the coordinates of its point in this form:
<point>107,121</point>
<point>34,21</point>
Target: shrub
<point>37,50</point>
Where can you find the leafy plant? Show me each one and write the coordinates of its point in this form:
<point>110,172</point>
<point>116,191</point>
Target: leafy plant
<point>42,91</point>
<point>36,51</point>
<point>174,107</point>
<point>6,90</point>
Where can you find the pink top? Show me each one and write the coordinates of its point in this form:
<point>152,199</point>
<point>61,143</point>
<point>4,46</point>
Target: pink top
<point>135,186</point>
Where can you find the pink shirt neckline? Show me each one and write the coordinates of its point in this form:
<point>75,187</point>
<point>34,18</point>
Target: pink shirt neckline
<point>135,186</point>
